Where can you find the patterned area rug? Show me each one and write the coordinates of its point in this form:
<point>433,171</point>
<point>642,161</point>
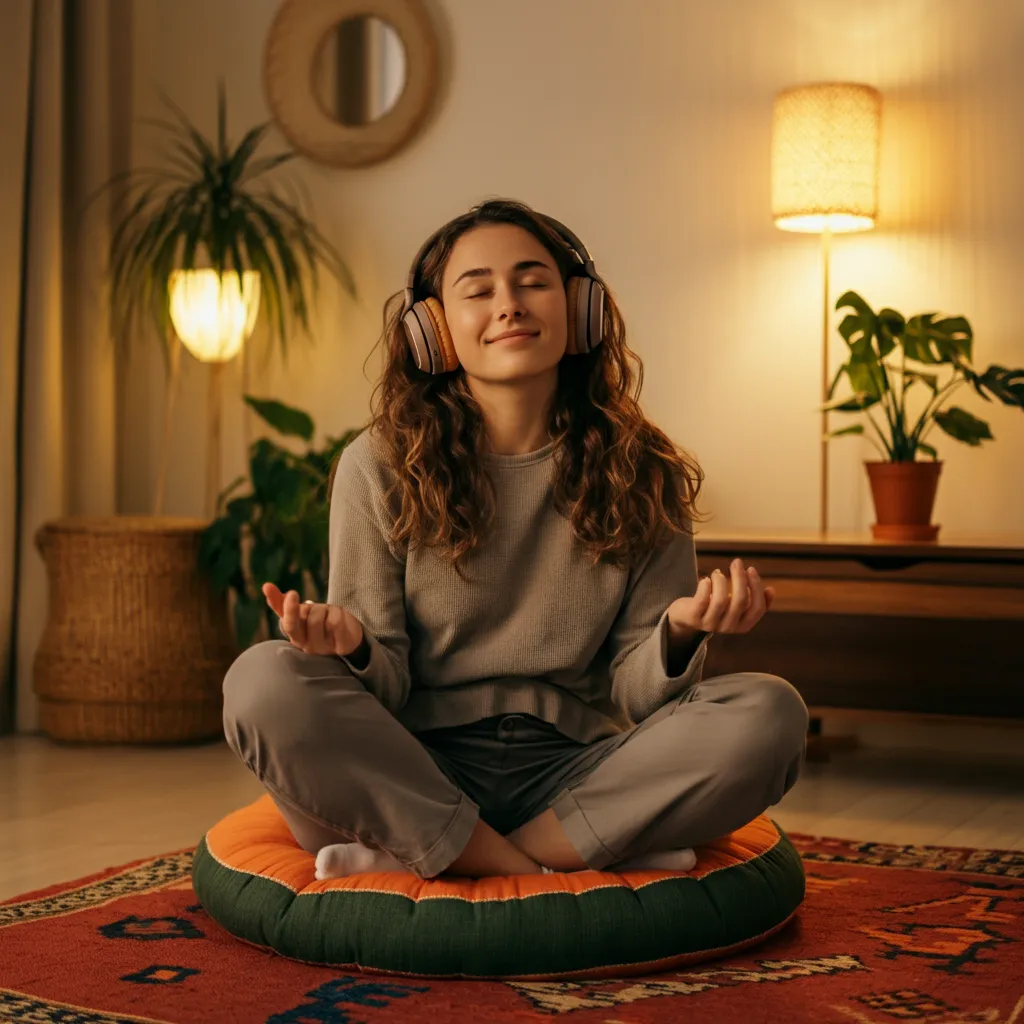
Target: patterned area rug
<point>887,934</point>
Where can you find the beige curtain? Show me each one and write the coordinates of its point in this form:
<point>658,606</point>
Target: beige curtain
<point>63,76</point>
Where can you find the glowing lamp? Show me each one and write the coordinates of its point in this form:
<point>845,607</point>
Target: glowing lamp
<point>825,157</point>
<point>824,162</point>
<point>211,315</point>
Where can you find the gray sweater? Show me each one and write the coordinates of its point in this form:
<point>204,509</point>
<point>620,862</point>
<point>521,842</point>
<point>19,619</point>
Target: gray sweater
<point>536,629</point>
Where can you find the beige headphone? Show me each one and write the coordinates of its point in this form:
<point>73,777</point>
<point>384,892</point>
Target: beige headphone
<point>430,341</point>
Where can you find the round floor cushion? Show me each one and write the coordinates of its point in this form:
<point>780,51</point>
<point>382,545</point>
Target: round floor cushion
<point>255,881</point>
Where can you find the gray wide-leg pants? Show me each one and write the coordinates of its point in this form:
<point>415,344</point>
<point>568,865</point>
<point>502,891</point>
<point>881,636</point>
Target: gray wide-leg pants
<point>343,769</point>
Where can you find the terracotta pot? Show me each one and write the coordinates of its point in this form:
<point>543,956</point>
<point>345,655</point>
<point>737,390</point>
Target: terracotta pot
<point>904,495</point>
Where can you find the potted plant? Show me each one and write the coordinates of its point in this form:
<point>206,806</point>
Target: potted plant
<point>889,356</point>
<point>209,207</point>
<point>277,530</point>
<point>137,642</point>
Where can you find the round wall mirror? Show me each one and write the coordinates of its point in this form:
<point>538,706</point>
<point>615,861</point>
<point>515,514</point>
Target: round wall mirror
<point>359,72</point>
<point>350,81</point>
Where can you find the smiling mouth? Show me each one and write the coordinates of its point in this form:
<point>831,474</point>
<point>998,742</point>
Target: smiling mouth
<point>514,338</point>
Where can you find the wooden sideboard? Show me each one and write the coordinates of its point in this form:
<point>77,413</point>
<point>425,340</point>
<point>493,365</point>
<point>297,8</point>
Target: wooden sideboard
<point>935,628</point>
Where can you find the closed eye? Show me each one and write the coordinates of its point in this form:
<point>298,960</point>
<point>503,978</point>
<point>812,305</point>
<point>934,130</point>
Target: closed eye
<point>478,295</point>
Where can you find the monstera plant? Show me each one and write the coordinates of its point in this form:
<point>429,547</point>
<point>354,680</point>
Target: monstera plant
<point>891,356</point>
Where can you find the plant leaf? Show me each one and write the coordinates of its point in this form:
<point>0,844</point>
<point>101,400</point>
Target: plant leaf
<point>270,283</point>
<point>1005,384</point>
<point>926,378</point>
<point>248,615</point>
<point>236,163</point>
<point>857,403</point>
<point>317,244</point>
<point>962,426</point>
<point>283,418</point>
<point>203,147</point>
<point>861,322</point>
<point>890,326</point>
<point>268,163</point>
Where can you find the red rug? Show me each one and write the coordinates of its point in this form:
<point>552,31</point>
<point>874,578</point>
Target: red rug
<point>887,934</point>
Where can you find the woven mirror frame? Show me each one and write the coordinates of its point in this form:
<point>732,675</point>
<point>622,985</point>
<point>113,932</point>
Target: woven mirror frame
<point>293,42</point>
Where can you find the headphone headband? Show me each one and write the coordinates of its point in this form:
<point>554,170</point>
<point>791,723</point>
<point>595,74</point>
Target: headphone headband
<point>572,243</point>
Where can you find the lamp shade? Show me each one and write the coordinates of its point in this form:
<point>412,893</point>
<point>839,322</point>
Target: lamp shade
<point>825,157</point>
<point>211,314</point>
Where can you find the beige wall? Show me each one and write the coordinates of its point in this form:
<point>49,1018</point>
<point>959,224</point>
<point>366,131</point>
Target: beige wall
<point>645,126</point>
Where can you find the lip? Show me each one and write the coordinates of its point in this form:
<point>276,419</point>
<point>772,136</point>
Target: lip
<point>514,336</point>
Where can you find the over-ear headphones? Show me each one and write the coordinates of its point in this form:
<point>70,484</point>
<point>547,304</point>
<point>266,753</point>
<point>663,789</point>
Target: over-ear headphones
<point>430,341</point>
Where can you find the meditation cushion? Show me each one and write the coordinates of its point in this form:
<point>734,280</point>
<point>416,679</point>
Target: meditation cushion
<point>254,880</point>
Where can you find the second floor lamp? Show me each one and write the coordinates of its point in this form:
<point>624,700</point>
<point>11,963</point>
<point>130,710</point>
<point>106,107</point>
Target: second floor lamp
<point>825,140</point>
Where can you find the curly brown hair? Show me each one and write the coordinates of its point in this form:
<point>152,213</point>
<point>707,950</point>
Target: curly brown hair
<point>620,481</point>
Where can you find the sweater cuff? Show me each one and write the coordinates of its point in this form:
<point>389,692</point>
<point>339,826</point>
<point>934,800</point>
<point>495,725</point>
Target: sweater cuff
<point>696,659</point>
<point>366,670</point>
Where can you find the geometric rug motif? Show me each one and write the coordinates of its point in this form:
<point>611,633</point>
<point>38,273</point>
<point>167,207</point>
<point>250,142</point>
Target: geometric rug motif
<point>886,934</point>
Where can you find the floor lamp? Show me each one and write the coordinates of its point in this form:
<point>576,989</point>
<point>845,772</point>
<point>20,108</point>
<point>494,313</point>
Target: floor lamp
<point>825,181</point>
<point>213,316</point>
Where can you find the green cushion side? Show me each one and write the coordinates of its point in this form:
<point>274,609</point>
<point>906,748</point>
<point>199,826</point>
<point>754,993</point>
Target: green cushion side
<point>545,934</point>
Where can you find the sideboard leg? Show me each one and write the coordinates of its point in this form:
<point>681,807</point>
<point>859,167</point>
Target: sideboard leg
<point>819,747</point>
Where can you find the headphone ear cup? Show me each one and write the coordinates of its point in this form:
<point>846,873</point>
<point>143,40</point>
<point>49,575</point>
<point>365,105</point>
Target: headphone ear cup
<point>585,315</point>
<point>572,291</point>
<point>429,339</point>
<point>449,360</point>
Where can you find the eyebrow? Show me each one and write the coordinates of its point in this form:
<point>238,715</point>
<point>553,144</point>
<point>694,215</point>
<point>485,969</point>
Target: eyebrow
<point>485,271</point>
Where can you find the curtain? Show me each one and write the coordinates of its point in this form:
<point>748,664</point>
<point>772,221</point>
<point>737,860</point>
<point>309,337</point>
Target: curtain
<point>64,78</point>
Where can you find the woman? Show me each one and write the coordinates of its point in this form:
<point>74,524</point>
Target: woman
<point>506,676</point>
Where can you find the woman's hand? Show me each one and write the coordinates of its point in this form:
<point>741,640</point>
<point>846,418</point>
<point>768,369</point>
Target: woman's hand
<point>714,609</point>
<point>314,628</point>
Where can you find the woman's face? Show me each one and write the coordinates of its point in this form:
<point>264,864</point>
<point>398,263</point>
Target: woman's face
<point>500,278</point>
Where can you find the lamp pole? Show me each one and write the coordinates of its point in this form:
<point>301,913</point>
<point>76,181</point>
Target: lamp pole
<point>826,247</point>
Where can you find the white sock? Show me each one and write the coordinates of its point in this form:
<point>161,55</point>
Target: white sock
<point>667,860</point>
<point>343,859</point>
<point>354,859</point>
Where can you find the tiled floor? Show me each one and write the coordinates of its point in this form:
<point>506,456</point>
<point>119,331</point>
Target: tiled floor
<point>67,811</point>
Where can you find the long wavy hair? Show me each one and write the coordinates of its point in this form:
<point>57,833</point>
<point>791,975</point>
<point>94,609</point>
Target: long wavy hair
<point>620,481</point>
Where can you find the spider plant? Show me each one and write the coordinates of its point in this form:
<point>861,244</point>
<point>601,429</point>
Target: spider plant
<point>209,205</point>
<point>201,209</point>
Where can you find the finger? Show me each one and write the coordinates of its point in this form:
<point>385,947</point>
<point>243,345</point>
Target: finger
<point>692,610</point>
<point>702,595</point>
<point>769,596</point>
<point>292,623</point>
<point>317,641</point>
<point>738,599</point>
<point>758,603</point>
<point>719,602</point>
<point>274,598</point>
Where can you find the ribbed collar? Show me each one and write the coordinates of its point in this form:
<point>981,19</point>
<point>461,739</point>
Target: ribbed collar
<point>524,459</point>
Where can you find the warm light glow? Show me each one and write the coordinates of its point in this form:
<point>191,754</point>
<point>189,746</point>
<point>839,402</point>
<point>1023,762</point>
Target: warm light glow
<point>210,315</point>
<point>825,157</point>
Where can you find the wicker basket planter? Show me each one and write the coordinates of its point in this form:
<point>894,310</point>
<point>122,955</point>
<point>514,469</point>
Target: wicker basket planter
<point>136,644</point>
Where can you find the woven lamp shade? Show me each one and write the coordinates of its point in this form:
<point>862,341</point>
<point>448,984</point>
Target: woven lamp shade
<point>825,157</point>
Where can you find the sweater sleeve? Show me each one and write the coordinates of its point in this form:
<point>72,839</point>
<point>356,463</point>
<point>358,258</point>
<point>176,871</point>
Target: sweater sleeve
<point>638,640</point>
<point>368,579</point>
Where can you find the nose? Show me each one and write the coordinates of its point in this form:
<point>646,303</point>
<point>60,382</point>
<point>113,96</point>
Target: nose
<point>510,306</point>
